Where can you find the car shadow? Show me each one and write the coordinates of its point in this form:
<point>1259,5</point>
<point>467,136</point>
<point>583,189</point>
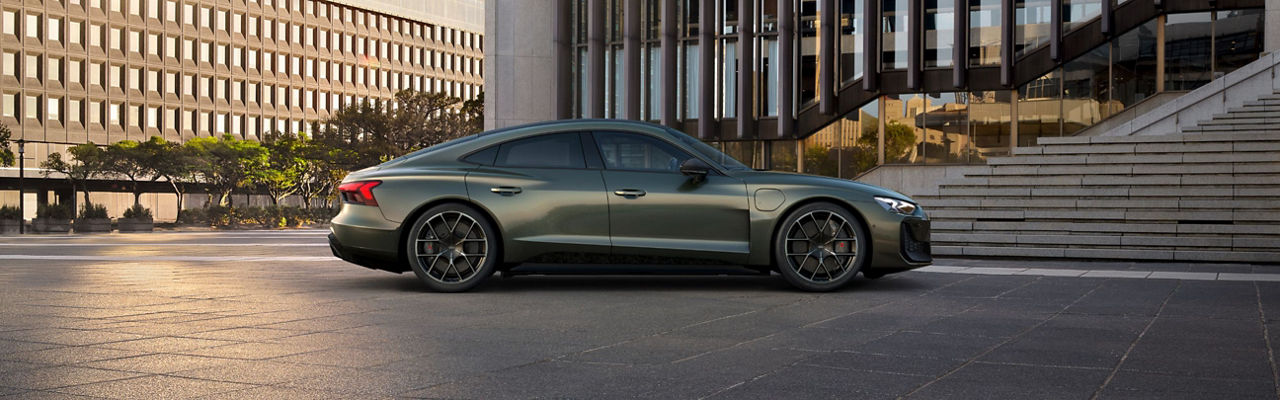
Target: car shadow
<point>553,278</point>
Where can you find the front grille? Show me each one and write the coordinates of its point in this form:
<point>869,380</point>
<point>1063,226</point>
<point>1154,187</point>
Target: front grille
<point>915,240</point>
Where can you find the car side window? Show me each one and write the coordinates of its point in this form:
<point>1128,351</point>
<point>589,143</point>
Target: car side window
<point>557,150</point>
<point>631,151</point>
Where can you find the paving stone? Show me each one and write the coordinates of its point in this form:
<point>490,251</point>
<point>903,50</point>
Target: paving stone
<point>153,387</point>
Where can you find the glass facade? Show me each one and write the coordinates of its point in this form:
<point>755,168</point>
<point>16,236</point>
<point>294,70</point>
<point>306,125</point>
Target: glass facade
<point>936,125</point>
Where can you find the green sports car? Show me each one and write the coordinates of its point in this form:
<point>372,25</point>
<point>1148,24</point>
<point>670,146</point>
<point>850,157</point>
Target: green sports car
<point>599,191</point>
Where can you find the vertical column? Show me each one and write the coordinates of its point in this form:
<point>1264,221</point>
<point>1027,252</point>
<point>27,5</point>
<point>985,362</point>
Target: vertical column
<point>786,66</point>
<point>1160,21</point>
<point>564,60</point>
<point>1006,42</point>
<point>669,62</point>
<point>871,45</point>
<point>631,50</point>
<point>960,50</point>
<point>595,66</point>
<point>746,68</point>
<point>707,73</point>
<point>828,27</point>
<point>915,56</point>
<point>1271,17</point>
<point>1055,30</point>
<point>1108,21</point>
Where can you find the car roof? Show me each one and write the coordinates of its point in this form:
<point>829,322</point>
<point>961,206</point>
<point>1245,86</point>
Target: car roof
<point>590,123</point>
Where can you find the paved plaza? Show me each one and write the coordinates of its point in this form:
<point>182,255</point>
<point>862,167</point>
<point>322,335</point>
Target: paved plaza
<point>257,314</point>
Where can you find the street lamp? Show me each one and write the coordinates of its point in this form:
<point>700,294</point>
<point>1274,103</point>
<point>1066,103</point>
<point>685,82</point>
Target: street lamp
<point>22,210</point>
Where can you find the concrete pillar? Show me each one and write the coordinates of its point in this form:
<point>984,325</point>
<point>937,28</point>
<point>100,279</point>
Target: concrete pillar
<point>632,68</point>
<point>520,62</point>
<point>1272,31</point>
<point>828,31</point>
<point>707,27</point>
<point>670,76</point>
<point>786,65</point>
<point>746,71</point>
<point>595,54</point>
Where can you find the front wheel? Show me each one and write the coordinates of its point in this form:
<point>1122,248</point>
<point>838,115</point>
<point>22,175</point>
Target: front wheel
<point>452,248</point>
<point>820,247</point>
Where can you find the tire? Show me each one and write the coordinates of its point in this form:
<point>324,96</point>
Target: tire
<point>811,247</point>
<point>452,248</point>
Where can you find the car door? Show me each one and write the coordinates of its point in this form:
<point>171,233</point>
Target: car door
<point>656,210</point>
<point>545,197</point>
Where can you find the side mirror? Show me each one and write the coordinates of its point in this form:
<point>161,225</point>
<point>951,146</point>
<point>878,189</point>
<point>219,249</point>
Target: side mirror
<point>696,169</point>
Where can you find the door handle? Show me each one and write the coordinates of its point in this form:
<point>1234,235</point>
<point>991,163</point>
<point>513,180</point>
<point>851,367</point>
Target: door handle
<point>629,193</point>
<point>506,190</point>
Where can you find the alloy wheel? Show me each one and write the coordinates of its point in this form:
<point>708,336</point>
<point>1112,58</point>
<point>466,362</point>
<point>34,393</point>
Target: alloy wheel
<point>451,247</point>
<point>821,246</point>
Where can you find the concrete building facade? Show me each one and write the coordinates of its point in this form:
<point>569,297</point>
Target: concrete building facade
<point>77,71</point>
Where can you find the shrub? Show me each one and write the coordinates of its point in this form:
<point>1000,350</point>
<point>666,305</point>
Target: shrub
<point>219,216</point>
<point>54,211</point>
<point>193,216</point>
<point>93,211</point>
<point>138,212</point>
<point>10,212</point>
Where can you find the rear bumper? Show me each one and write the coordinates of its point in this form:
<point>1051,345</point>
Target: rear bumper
<point>365,257</point>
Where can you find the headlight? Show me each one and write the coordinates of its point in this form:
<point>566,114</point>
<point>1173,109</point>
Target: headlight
<point>896,206</point>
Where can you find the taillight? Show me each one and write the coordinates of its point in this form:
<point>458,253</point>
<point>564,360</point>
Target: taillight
<point>359,192</point>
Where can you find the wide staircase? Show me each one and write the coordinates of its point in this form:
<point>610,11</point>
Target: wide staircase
<point>1209,193</point>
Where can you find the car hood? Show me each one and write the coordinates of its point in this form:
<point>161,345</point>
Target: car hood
<point>767,178</point>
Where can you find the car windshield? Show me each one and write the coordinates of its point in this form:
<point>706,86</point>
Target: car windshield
<point>709,152</point>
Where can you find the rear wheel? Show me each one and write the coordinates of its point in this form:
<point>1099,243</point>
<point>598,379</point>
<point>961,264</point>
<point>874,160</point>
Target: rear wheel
<point>452,248</point>
<point>820,247</point>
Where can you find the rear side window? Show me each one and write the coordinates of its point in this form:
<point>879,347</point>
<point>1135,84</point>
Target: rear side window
<point>558,150</point>
<point>483,157</point>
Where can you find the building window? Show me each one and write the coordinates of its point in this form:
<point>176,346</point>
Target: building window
<point>33,67</point>
<point>55,29</point>
<point>10,67</point>
<point>135,79</point>
<point>74,33</point>
<point>95,74</point>
<point>55,70</point>
<point>33,107</point>
<point>1032,19</point>
<point>54,110</point>
<point>153,81</point>
<point>9,25</point>
<point>116,77</point>
<point>153,45</point>
<point>116,39</point>
<point>95,36</point>
<point>95,113</point>
<point>75,72</point>
<point>135,41</point>
<point>10,106</point>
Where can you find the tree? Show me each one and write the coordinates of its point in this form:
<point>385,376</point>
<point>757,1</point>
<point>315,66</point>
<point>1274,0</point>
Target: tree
<point>128,158</point>
<point>375,131</point>
<point>170,161</point>
<point>225,164</point>
<point>286,164</point>
<point>6,155</point>
<point>87,162</point>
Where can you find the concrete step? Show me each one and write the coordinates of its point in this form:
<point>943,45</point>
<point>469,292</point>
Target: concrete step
<point>1150,148</point>
<point>1133,159</point>
<point>1242,192</point>
<point>1263,180</point>
<point>1134,241</point>
<point>1121,215</point>
<point>1131,169</point>
<point>1170,138</point>
<point>931,203</point>
<point>1107,227</point>
<point>1109,254</point>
